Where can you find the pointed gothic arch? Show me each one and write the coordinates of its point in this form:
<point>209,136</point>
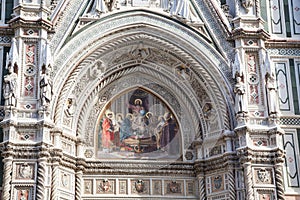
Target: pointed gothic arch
<point>150,46</point>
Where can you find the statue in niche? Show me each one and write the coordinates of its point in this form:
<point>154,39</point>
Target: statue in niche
<point>239,87</point>
<point>239,90</point>
<point>271,86</point>
<point>10,85</point>
<point>46,86</point>
<point>10,80</point>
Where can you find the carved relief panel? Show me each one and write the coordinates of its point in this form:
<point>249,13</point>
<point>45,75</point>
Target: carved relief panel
<point>25,171</point>
<point>140,187</point>
<point>106,186</point>
<point>263,176</point>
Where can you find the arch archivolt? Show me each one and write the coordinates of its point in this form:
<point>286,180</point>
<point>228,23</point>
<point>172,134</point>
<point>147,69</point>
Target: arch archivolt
<point>111,60</point>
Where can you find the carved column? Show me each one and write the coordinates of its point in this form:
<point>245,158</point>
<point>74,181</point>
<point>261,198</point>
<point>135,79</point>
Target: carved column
<point>80,168</point>
<point>41,179</point>
<point>279,181</point>
<point>202,192</point>
<point>248,181</point>
<point>42,172</point>
<point>199,167</point>
<point>279,174</point>
<point>55,178</point>
<point>79,183</point>
<point>7,177</point>
<point>231,183</point>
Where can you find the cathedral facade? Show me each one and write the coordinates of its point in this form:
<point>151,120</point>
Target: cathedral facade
<point>150,99</point>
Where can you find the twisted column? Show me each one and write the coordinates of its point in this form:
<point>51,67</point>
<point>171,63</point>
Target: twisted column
<point>7,178</point>
<point>55,178</point>
<point>78,185</point>
<point>231,183</point>
<point>202,193</point>
<point>41,180</point>
<point>248,181</point>
<point>279,181</point>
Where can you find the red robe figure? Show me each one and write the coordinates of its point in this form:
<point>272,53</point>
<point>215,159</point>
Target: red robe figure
<point>107,130</point>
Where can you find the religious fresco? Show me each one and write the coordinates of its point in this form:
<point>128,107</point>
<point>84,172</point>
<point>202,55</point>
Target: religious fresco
<point>138,125</point>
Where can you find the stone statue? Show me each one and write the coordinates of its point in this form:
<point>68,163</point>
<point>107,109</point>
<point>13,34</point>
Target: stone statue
<point>99,7</point>
<point>10,80</point>
<point>239,88</point>
<point>10,86</point>
<point>271,86</point>
<point>272,94</point>
<point>184,10</point>
<point>46,87</point>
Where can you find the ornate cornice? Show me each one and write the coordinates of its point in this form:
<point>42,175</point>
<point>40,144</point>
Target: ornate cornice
<point>134,168</point>
<point>249,34</point>
<point>21,22</point>
<point>261,156</point>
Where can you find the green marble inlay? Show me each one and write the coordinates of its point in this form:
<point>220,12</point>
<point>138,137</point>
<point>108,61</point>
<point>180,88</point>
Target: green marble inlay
<point>263,13</point>
<point>294,86</point>
<point>287,18</point>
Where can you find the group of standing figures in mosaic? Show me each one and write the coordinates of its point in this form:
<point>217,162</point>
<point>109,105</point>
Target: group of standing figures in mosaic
<point>137,130</point>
